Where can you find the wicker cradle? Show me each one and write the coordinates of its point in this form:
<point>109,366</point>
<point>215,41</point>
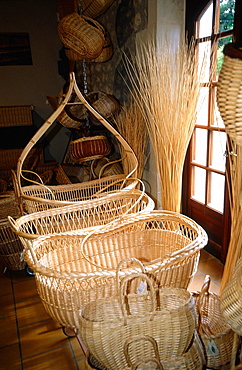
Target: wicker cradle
<point>66,281</point>
<point>85,215</point>
<point>38,197</point>
<point>217,337</point>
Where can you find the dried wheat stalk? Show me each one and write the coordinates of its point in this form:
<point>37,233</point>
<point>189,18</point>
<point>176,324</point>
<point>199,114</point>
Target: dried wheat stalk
<point>166,86</point>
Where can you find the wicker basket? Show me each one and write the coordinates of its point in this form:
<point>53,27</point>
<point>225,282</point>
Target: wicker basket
<point>217,337</point>
<point>229,92</point>
<point>38,197</point>
<point>167,315</point>
<point>94,8</point>
<point>105,167</point>
<point>82,34</point>
<point>231,300</point>
<point>85,215</point>
<point>66,280</point>
<point>105,104</point>
<point>89,148</point>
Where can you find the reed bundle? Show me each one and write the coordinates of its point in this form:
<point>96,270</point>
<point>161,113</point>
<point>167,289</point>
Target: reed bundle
<point>131,125</point>
<point>166,86</point>
<point>235,191</point>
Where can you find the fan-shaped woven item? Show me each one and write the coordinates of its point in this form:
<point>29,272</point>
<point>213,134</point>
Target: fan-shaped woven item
<point>217,337</point>
<point>38,197</point>
<point>168,244</point>
<point>229,92</point>
<point>231,300</point>
<point>167,315</point>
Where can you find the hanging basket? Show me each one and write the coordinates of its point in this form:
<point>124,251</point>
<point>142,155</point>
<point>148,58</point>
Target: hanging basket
<point>231,300</point>
<point>105,104</point>
<point>82,34</point>
<point>217,337</point>
<point>229,92</point>
<point>89,148</point>
<point>166,315</point>
<point>94,8</point>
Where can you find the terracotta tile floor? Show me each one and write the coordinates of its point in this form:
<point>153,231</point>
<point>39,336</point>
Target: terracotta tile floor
<point>30,339</point>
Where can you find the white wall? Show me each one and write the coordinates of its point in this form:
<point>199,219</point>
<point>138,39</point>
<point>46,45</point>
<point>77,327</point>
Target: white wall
<point>32,83</point>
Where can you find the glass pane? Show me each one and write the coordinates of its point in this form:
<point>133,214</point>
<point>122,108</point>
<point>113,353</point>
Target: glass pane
<point>205,28</point>
<point>200,146</point>
<point>220,55</point>
<point>218,122</point>
<point>204,49</point>
<point>226,22</point>
<point>202,107</point>
<point>217,192</point>
<point>199,182</point>
<point>218,147</point>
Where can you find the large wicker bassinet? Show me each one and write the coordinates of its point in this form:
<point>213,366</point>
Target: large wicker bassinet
<point>84,215</point>
<point>167,243</point>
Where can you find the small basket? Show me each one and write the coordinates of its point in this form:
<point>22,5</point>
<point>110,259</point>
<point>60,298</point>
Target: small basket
<point>89,148</point>
<point>167,315</point>
<point>82,34</point>
<point>168,242</point>
<point>217,337</point>
<point>231,300</point>
<point>94,8</point>
<point>229,92</point>
<point>105,104</point>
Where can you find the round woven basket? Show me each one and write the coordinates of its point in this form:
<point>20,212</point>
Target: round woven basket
<point>94,8</point>
<point>229,92</point>
<point>82,34</point>
<point>89,148</point>
<point>105,104</point>
<point>231,300</point>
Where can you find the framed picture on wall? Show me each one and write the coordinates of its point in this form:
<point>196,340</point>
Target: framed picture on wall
<point>15,49</point>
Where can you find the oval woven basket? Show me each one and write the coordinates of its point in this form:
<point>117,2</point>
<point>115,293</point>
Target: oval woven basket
<point>217,337</point>
<point>94,8</point>
<point>229,94</point>
<point>231,300</point>
<point>105,104</point>
<point>167,315</point>
<point>82,34</point>
<point>170,245</point>
<point>89,148</point>
<point>37,197</point>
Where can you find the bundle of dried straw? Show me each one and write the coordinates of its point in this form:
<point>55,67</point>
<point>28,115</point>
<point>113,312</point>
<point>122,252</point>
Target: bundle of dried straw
<point>166,86</point>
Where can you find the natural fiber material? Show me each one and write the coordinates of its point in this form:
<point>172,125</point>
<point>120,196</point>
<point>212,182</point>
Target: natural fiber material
<point>66,281</point>
<point>165,83</point>
<point>217,337</point>
<point>89,148</point>
<point>231,300</point>
<point>82,34</point>
<point>167,315</point>
<point>105,104</point>
<point>229,93</point>
<point>86,215</point>
<point>17,115</point>
<point>40,197</point>
<point>94,8</point>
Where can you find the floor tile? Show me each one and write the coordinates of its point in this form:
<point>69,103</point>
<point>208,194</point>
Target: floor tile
<point>8,331</point>
<point>41,337</point>
<point>25,290</point>
<point>10,357</point>
<point>198,282</point>
<point>77,349</point>
<point>212,267</point>
<point>204,255</point>
<point>7,305</point>
<point>59,359</point>
<point>6,285</point>
<point>30,312</point>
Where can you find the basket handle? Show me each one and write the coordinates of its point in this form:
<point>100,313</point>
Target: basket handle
<point>203,297</point>
<point>118,268</point>
<point>122,295</point>
<point>138,338</point>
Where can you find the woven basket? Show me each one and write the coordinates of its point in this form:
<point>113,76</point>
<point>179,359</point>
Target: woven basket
<point>217,337</point>
<point>231,300</point>
<point>85,215</point>
<point>89,148</point>
<point>82,34</point>
<point>66,280</point>
<point>38,197</point>
<point>105,104</point>
<point>94,8</point>
<point>105,167</point>
<point>11,248</point>
<point>229,92</point>
<point>3,186</point>
<point>167,315</point>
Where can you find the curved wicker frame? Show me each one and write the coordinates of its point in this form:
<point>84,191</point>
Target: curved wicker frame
<point>66,281</point>
<point>58,195</point>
